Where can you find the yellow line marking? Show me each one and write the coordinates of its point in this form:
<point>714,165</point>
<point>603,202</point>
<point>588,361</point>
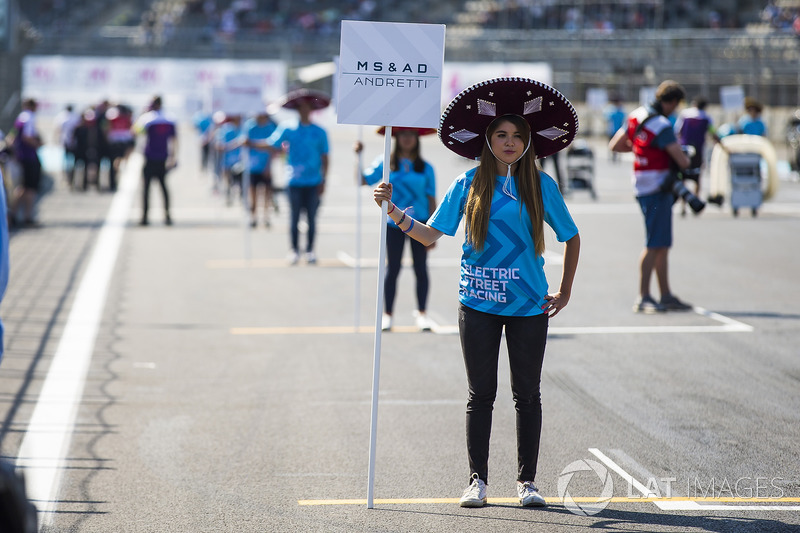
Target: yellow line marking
<point>550,501</point>
<point>220,264</point>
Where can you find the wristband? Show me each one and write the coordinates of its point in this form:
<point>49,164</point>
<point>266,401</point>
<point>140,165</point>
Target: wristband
<point>390,210</point>
<point>402,218</point>
<point>409,227</point>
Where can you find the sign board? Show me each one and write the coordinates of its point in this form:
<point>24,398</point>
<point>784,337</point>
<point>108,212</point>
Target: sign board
<point>731,97</point>
<point>460,75</point>
<point>390,74</point>
<point>596,98</point>
<point>241,94</point>
<point>647,95</point>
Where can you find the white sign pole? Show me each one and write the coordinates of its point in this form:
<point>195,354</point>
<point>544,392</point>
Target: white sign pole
<point>359,178</point>
<point>390,74</point>
<point>245,157</point>
<point>376,364</point>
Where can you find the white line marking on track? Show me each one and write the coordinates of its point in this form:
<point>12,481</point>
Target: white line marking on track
<point>729,325</point>
<point>623,474</point>
<point>690,505</point>
<point>686,504</point>
<point>47,439</point>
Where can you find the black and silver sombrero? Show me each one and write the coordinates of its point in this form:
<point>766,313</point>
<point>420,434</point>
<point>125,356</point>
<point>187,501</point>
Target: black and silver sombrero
<point>552,118</point>
<point>398,129</point>
<point>316,99</point>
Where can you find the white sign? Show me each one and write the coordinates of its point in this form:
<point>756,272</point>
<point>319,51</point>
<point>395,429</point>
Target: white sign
<point>732,97</point>
<point>460,75</point>
<point>185,84</point>
<point>241,95</point>
<point>596,98</point>
<point>647,95</point>
<point>390,74</point>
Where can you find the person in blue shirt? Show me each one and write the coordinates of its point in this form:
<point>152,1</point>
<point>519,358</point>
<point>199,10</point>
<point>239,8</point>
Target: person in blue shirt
<point>751,122</point>
<point>306,147</point>
<point>615,116</point>
<point>229,145</point>
<point>415,193</point>
<point>204,125</point>
<point>259,129</point>
<point>505,201</point>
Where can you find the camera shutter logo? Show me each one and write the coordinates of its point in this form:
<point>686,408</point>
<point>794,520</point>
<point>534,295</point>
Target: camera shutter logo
<point>585,508</point>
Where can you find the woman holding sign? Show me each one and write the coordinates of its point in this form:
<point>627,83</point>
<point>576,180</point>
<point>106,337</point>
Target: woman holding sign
<point>507,123</point>
<point>415,192</point>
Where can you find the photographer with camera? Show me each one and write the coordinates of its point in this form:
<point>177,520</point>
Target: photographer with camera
<point>648,133</point>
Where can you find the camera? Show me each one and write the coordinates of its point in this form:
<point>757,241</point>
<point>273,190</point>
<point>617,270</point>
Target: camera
<point>675,185</point>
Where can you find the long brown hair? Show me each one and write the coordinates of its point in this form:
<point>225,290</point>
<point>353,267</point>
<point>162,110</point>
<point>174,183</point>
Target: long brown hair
<point>529,188</point>
<point>416,158</point>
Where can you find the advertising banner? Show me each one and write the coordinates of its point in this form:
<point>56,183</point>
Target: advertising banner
<point>390,74</point>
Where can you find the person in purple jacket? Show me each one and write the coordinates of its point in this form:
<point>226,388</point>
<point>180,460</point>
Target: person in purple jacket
<point>691,127</point>
<point>159,153</point>
<point>26,145</point>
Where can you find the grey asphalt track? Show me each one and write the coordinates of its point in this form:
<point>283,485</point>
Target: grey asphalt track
<point>228,391</point>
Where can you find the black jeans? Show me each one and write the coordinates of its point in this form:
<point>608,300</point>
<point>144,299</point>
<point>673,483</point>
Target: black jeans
<point>395,242</point>
<point>303,199</point>
<point>154,168</point>
<point>481,334</point>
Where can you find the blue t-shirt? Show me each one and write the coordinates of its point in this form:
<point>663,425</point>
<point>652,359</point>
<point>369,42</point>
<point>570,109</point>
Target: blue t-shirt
<point>259,159</point>
<point>409,188</point>
<point>227,133</point>
<point>752,126</point>
<point>307,143</point>
<point>203,123</point>
<point>506,277</point>
<point>615,119</point>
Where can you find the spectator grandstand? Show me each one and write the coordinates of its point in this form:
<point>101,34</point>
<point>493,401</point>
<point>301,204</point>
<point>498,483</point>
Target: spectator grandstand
<point>142,20</point>
<point>620,45</point>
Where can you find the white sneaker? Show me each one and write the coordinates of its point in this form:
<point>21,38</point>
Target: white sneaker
<point>422,321</point>
<point>529,495</point>
<point>311,258</point>
<point>386,322</point>
<point>293,257</point>
<point>475,494</point>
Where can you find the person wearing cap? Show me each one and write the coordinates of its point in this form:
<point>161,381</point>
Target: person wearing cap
<point>415,193</point>
<point>649,134</point>
<point>306,147</point>
<point>506,123</point>
<point>259,129</point>
<point>751,122</point>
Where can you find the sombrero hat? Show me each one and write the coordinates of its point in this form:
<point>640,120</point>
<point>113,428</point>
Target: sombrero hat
<point>398,129</point>
<point>552,118</point>
<point>317,100</point>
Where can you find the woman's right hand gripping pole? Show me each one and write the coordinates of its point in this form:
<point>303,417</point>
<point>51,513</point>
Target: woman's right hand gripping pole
<point>383,193</point>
